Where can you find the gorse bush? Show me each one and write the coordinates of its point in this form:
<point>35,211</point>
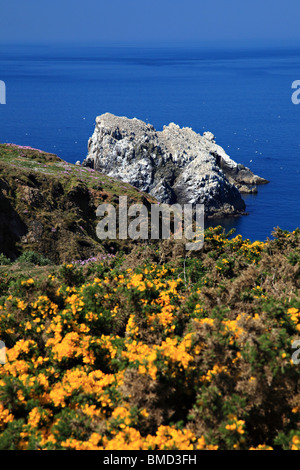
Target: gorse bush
<point>190,354</point>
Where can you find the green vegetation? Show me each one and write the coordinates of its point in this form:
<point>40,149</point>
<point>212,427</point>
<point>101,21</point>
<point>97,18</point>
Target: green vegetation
<point>153,349</point>
<point>49,206</point>
<point>31,257</point>
<point>127,345</point>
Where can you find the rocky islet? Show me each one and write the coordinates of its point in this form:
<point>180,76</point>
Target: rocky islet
<point>175,165</point>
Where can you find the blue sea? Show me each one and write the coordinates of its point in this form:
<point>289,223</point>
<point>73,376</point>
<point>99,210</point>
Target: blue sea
<point>243,96</point>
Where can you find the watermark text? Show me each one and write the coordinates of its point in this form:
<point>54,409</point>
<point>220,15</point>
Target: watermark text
<point>2,353</point>
<point>136,223</point>
<point>296,94</point>
<point>2,92</point>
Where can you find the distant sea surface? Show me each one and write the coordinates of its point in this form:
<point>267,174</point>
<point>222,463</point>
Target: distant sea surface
<point>54,94</point>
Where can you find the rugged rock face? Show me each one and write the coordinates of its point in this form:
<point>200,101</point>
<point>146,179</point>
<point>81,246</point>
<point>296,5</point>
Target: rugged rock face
<point>174,165</point>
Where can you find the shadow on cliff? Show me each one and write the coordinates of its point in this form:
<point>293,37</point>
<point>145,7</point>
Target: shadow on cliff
<point>12,227</point>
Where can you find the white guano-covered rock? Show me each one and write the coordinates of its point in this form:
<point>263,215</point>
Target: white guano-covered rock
<point>175,165</point>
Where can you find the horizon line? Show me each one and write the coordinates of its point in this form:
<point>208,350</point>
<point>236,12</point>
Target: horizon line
<point>222,44</point>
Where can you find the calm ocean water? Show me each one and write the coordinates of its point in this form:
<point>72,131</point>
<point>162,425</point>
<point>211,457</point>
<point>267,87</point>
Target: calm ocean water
<point>242,96</point>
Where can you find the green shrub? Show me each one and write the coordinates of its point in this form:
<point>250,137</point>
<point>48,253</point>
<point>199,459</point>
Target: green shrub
<point>4,261</point>
<point>31,257</point>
